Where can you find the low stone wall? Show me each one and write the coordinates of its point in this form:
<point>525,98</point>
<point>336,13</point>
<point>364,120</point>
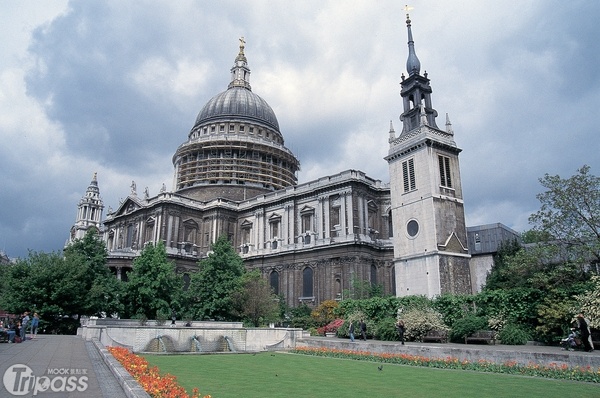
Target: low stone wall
<point>523,354</point>
<point>200,337</point>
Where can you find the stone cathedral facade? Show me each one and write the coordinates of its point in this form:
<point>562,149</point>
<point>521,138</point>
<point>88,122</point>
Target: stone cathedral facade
<point>234,176</point>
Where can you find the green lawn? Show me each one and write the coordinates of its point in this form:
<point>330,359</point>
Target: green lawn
<point>289,375</point>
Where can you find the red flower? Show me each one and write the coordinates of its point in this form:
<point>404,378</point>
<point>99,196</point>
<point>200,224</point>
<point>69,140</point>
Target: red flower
<point>155,384</point>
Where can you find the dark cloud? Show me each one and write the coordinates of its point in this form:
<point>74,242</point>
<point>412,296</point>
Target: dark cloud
<point>117,86</point>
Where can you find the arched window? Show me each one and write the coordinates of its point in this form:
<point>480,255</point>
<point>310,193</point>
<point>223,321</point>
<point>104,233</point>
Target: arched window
<point>274,281</point>
<point>307,282</point>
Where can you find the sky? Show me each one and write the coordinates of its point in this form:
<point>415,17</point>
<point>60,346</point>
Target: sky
<point>114,87</point>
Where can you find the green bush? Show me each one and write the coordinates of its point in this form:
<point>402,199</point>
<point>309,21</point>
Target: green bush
<point>419,321</point>
<point>467,326</point>
<point>386,330</point>
<point>161,317</point>
<point>514,335</point>
<point>454,307</point>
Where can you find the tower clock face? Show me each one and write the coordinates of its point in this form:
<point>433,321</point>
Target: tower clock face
<point>412,228</point>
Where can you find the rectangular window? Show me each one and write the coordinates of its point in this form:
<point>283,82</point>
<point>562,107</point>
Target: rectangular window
<point>446,180</point>
<point>408,174</point>
<point>274,229</point>
<point>307,223</point>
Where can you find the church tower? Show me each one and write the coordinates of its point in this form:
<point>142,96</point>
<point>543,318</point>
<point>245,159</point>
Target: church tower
<point>430,237</point>
<point>89,212</point>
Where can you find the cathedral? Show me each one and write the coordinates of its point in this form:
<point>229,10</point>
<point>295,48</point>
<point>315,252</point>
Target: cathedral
<point>234,176</point>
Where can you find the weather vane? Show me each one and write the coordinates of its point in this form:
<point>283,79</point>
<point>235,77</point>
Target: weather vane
<point>407,8</point>
<point>242,42</point>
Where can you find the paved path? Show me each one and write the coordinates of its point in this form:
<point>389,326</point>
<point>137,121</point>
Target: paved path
<point>59,354</point>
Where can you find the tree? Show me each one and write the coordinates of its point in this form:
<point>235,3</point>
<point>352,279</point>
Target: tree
<point>210,292</point>
<point>153,289</point>
<point>99,292</point>
<point>47,284</point>
<point>255,301</point>
<point>500,275</point>
<point>589,303</point>
<point>570,215</point>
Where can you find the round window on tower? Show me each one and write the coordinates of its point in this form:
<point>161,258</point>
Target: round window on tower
<point>412,228</point>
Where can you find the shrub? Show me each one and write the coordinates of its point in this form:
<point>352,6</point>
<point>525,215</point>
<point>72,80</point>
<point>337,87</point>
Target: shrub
<point>323,314</point>
<point>331,327</point>
<point>386,330</point>
<point>467,326</point>
<point>419,321</point>
<point>141,318</point>
<point>514,335</point>
<point>161,317</point>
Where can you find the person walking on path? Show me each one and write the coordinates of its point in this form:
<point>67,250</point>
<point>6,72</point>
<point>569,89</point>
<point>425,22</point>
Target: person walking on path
<point>400,328</point>
<point>24,323</point>
<point>35,321</point>
<point>363,330</point>
<point>351,331</point>
<point>584,331</point>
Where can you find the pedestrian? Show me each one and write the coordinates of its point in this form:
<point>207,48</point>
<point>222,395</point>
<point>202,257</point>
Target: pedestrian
<point>17,329</point>
<point>173,317</point>
<point>400,328</point>
<point>363,330</point>
<point>351,331</point>
<point>24,323</point>
<point>35,321</point>
<point>584,332</point>
<point>10,330</point>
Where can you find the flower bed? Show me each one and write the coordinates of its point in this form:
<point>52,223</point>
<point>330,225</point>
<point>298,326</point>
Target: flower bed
<point>331,327</point>
<point>553,371</point>
<point>155,384</point>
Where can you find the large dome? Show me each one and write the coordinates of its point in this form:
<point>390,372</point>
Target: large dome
<point>237,103</point>
<point>235,149</point>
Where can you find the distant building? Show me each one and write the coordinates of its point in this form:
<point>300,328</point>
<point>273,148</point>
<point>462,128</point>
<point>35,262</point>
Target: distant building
<point>234,176</point>
<point>484,242</point>
<point>89,212</point>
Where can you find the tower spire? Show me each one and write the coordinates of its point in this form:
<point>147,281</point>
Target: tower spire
<point>240,73</point>
<point>89,212</point>
<point>413,65</point>
<point>416,91</point>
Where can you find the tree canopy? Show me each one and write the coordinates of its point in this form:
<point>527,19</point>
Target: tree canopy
<point>254,300</point>
<point>570,215</point>
<point>210,292</point>
<point>153,288</point>
<point>62,288</point>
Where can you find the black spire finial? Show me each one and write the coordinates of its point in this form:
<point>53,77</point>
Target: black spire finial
<point>413,66</point>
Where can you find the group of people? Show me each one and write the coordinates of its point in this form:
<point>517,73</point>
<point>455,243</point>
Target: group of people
<point>362,328</point>
<point>17,330</point>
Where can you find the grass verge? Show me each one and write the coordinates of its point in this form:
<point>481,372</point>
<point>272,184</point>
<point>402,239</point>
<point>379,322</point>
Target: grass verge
<point>288,375</point>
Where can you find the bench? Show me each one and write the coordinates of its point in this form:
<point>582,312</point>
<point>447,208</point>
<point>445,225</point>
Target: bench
<point>482,336</point>
<point>436,335</point>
